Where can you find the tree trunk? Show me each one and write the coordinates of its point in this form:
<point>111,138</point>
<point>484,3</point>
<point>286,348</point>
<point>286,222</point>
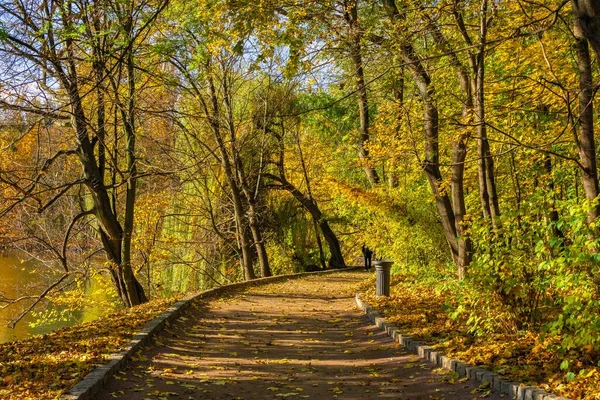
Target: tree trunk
<point>464,253</point>
<point>430,130</point>
<point>355,48</point>
<point>319,244</point>
<point>134,289</point>
<point>434,175</point>
<point>459,154</point>
<point>587,13</point>
<point>585,123</point>
<point>459,149</point>
<point>487,180</point>
<point>259,243</point>
<point>310,196</point>
<point>238,210</point>
<point>399,98</point>
<point>111,231</point>
<point>236,196</point>
<point>336,259</point>
<point>553,216</point>
<point>363,110</point>
<point>585,140</point>
<point>484,196</point>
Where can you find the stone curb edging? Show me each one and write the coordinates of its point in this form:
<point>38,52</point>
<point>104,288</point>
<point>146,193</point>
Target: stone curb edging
<point>514,390</point>
<point>91,384</point>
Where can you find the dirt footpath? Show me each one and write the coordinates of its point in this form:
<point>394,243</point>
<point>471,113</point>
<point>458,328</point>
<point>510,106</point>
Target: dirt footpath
<point>300,339</point>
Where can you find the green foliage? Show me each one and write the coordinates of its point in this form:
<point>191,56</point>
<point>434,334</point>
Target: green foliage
<point>333,123</point>
<point>292,244</point>
<point>535,274</point>
<point>396,225</point>
<point>84,300</point>
<point>506,262</point>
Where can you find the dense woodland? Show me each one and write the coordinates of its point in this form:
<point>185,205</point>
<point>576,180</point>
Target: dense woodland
<point>177,145</point>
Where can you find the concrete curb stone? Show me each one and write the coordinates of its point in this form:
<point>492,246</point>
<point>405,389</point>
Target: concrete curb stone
<point>501,385</point>
<point>91,384</point>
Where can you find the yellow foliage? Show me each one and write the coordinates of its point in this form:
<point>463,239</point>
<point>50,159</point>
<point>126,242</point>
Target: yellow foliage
<point>46,366</point>
<point>527,356</point>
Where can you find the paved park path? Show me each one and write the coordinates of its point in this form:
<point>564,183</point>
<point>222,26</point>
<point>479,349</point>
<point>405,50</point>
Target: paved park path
<point>299,339</point>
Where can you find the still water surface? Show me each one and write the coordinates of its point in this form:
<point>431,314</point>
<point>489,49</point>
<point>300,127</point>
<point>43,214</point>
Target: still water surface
<point>20,277</point>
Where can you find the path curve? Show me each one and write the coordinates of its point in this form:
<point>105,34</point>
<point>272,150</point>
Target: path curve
<point>301,339</point>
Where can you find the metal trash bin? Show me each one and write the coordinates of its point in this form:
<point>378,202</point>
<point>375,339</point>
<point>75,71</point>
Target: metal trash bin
<point>382,274</point>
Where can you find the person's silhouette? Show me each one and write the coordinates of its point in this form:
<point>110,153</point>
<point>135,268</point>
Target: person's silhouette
<point>368,254</point>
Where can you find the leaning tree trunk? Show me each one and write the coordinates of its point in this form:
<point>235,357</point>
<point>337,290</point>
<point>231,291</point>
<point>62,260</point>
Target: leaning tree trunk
<point>111,232</point>
<point>430,129</point>
<point>112,247</point>
<point>336,259</point>
<point>434,175</point>
<point>310,196</point>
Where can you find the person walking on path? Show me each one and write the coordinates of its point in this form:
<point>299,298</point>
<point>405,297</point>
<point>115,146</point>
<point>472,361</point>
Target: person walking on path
<point>368,254</point>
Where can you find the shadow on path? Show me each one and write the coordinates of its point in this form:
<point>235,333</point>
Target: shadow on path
<point>303,338</point>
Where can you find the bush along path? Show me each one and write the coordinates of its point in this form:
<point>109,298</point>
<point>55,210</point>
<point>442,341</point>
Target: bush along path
<point>302,338</point>
<point>500,384</point>
<point>422,311</point>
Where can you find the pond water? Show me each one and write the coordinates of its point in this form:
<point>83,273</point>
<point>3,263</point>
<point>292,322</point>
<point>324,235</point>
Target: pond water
<point>20,277</point>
